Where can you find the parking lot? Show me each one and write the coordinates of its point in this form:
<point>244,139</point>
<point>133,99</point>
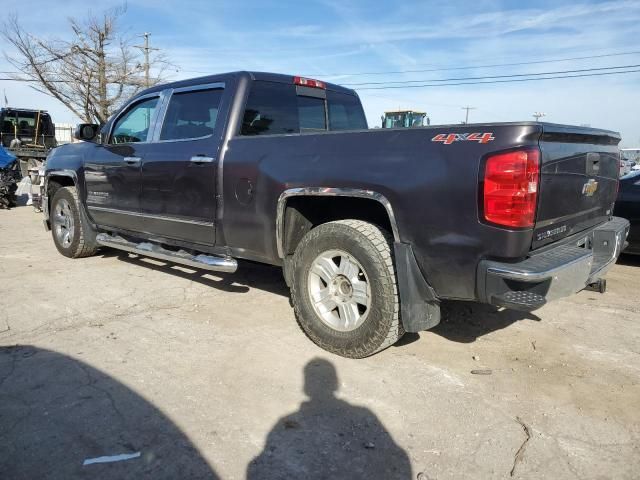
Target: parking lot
<point>209,376</point>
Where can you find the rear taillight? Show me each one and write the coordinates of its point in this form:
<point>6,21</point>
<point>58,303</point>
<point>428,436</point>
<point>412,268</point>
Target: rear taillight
<point>510,188</point>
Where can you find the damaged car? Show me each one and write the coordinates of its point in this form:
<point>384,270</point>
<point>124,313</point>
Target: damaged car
<point>9,178</point>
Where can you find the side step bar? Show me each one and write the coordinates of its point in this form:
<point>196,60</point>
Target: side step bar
<point>147,249</point>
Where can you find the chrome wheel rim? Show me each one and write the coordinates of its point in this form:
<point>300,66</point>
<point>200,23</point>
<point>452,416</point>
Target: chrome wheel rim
<point>63,223</point>
<point>339,290</point>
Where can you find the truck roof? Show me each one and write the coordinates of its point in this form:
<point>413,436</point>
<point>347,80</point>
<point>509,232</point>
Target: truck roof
<point>406,111</point>
<point>221,77</point>
<point>18,109</point>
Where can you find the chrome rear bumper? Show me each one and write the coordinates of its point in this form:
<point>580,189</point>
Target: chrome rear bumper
<point>554,273</point>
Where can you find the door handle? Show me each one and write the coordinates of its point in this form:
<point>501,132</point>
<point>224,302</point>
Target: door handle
<point>201,159</point>
<point>132,160</point>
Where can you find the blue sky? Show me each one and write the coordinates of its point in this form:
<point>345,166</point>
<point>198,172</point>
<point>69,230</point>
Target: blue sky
<point>331,39</point>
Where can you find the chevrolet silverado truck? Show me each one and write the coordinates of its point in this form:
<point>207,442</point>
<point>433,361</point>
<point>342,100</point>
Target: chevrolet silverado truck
<point>373,228</point>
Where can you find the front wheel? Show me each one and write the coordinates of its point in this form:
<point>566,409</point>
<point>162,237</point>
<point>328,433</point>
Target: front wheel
<point>72,233</point>
<point>344,288</point>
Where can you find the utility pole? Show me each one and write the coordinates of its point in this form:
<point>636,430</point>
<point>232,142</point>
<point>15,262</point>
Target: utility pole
<point>467,108</point>
<point>539,115</point>
<point>146,49</point>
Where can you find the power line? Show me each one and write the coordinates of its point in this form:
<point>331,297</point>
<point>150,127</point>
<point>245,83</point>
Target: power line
<point>533,62</point>
<point>8,79</point>
<point>594,69</point>
<point>439,83</point>
<point>438,69</point>
<point>500,81</point>
<point>399,83</point>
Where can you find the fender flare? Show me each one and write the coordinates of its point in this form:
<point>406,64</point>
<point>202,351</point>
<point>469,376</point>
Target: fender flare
<point>59,173</point>
<point>329,192</point>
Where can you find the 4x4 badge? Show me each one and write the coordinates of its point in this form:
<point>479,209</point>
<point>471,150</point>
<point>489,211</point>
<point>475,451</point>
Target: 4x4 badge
<point>449,138</point>
<point>589,188</point>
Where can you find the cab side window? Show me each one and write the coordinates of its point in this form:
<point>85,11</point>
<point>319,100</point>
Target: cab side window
<point>191,114</point>
<point>272,108</point>
<point>133,126</point>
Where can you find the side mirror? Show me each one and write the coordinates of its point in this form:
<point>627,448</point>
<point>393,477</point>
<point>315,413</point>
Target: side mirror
<point>86,131</point>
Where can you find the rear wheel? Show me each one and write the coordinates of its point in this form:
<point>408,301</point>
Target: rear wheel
<point>344,288</point>
<point>72,233</point>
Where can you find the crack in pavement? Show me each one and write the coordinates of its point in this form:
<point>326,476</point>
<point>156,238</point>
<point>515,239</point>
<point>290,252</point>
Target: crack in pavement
<point>91,383</point>
<point>520,453</point>
<point>6,321</point>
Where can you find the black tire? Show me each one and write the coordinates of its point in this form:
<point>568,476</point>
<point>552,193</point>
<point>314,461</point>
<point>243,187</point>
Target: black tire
<point>372,248</point>
<point>83,238</point>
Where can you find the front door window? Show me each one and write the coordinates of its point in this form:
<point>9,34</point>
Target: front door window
<point>133,126</point>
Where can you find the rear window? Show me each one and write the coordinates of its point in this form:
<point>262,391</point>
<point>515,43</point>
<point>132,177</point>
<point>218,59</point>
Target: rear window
<point>276,108</point>
<point>345,112</point>
<point>311,113</point>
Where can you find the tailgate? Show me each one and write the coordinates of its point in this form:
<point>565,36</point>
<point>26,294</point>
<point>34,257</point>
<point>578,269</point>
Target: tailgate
<point>578,181</point>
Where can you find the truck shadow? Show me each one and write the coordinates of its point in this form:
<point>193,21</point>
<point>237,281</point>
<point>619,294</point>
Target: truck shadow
<point>461,321</point>
<point>629,260</point>
<point>249,274</point>
<point>465,322</point>
<point>56,412</point>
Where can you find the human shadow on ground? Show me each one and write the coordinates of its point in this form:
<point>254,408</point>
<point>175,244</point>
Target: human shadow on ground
<point>328,437</point>
<point>56,412</point>
<point>249,274</point>
<point>465,322</point>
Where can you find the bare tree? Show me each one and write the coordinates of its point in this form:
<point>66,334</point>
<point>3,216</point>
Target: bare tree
<point>91,74</point>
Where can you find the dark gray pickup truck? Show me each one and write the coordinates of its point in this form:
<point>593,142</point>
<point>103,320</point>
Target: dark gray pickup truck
<point>373,228</point>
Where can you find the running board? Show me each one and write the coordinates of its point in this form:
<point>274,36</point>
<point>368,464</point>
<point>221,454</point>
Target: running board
<point>147,249</point>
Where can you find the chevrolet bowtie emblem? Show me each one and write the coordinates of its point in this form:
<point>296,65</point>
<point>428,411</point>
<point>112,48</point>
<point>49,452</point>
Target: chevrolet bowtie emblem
<point>590,188</point>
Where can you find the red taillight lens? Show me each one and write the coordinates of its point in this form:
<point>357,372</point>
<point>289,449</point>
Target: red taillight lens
<point>309,82</point>
<point>510,191</point>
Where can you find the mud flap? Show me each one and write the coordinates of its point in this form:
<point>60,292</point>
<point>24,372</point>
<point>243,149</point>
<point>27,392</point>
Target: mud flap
<point>419,305</point>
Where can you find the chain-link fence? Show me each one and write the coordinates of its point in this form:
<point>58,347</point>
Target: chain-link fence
<point>64,133</point>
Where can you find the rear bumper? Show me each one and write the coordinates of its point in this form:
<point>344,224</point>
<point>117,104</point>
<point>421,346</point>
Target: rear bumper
<point>554,273</point>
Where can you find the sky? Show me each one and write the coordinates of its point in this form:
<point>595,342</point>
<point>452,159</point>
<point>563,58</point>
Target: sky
<point>345,41</point>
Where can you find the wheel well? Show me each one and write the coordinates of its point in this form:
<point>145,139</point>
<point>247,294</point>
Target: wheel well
<point>302,213</point>
<point>56,182</point>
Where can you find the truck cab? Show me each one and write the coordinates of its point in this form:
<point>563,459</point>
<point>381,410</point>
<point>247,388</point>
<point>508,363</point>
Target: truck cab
<point>31,128</point>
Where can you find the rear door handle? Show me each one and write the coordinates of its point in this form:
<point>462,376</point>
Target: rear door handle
<point>201,159</point>
<point>132,160</point>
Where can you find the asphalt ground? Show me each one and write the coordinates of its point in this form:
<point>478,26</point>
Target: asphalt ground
<point>197,375</point>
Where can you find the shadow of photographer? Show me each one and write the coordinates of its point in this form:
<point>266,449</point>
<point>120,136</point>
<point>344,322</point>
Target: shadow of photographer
<point>329,438</point>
